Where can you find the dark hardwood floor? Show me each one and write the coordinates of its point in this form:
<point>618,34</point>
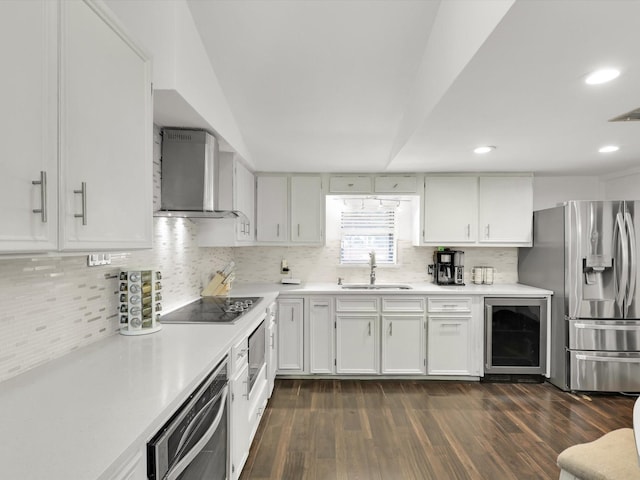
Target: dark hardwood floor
<point>390,429</point>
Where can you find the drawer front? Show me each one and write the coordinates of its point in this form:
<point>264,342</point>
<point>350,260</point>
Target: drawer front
<point>351,184</point>
<point>449,304</point>
<point>604,371</point>
<point>403,304</point>
<point>395,184</point>
<point>612,335</point>
<point>357,304</point>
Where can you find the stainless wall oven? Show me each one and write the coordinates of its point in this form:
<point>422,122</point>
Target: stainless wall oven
<point>516,335</point>
<point>194,443</point>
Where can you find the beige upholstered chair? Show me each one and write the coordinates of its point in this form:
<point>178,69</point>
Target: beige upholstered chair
<point>614,456</point>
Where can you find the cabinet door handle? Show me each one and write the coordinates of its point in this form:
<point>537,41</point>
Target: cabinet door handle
<point>83,193</point>
<point>395,185</point>
<point>369,328</point>
<point>391,329</point>
<point>292,314</point>
<point>488,230</point>
<point>43,196</point>
<point>278,230</point>
<point>298,230</point>
<point>468,230</point>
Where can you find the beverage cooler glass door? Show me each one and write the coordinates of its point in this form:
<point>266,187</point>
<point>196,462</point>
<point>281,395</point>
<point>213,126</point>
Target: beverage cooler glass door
<point>516,335</point>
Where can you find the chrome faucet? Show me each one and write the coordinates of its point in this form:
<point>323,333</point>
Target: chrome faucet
<point>372,263</point>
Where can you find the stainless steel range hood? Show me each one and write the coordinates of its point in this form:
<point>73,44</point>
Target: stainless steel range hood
<point>189,171</point>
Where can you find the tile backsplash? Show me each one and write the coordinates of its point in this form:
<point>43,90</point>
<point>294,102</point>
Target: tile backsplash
<point>50,306</point>
<point>320,264</point>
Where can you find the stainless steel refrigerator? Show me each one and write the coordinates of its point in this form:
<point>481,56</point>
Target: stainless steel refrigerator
<point>586,252</point>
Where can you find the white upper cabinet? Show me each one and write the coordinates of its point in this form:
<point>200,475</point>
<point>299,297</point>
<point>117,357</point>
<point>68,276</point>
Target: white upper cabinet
<point>451,209</point>
<point>350,184</point>
<point>289,209</point>
<point>506,208</point>
<point>76,153</point>
<point>307,207</point>
<point>28,94</point>
<point>485,210</point>
<point>105,135</point>
<point>272,209</point>
<point>395,184</point>
<point>245,201</point>
<point>235,191</point>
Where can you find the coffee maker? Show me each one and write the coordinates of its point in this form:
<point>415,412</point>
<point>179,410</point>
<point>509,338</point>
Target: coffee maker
<point>448,267</point>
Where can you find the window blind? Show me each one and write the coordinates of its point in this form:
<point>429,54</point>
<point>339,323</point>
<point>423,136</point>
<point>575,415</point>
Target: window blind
<point>367,230</point>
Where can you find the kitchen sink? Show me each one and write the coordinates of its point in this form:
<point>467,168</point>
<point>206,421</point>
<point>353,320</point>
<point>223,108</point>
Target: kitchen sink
<point>380,286</point>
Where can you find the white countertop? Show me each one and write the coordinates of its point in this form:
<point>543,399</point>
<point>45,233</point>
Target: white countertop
<point>511,289</point>
<point>79,416</point>
<point>72,418</point>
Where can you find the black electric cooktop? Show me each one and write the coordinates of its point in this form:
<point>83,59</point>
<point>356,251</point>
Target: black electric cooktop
<point>212,310</point>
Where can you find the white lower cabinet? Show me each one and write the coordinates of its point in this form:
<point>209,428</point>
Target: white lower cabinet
<point>380,335</point>
<point>272,346</point>
<point>449,345</point>
<point>239,439</point>
<point>357,344</point>
<point>290,335</point>
<point>403,344</point>
<point>321,336</point>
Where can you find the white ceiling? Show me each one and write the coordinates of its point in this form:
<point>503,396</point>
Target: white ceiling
<point>410,85</point>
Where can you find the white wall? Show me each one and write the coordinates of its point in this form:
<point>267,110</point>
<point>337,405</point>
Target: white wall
<point>182,71</point>
<point>550,191</point>
<point>623,186</point>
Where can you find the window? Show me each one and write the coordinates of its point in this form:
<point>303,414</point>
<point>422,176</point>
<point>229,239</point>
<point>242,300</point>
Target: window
<point>365,230</point>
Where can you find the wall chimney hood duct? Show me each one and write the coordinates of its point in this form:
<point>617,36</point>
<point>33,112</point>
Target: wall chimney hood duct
<point>189,175</point>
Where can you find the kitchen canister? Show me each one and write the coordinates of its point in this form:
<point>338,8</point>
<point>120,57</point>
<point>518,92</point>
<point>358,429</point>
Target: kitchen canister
<point>482,275</point>
<point>140,301</point>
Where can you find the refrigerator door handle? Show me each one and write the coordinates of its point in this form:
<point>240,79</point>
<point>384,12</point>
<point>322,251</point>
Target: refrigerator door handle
<point>621,271</point>
<point>633,264</point>
<point>574,233</point>
<point>597,358</point>
<point>587,326</point>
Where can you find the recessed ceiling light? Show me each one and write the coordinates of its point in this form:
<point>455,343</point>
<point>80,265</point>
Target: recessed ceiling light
<point>483,150</point>
<point>609,149</point>
<point>602,76</point>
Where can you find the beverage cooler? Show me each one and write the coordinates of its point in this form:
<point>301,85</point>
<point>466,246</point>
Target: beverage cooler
<point>516,336</point>
<point>140,301</point>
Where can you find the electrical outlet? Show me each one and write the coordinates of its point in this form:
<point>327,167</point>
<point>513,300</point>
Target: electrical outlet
<point>284,267</point>
<point>98,259</point>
